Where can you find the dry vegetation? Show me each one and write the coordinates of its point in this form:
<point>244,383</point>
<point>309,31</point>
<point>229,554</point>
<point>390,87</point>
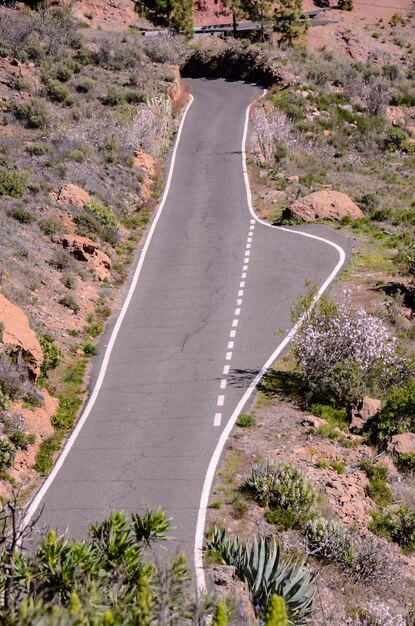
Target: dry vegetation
<point>76,105</point>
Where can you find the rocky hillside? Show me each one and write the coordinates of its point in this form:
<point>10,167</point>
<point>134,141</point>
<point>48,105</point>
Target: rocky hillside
<point>86,119</point>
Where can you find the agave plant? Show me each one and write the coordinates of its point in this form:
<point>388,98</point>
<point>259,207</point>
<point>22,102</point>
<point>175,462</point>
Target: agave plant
<point>265,572</point>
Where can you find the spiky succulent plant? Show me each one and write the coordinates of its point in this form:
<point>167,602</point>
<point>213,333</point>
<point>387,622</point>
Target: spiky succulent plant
<point>265,572</point>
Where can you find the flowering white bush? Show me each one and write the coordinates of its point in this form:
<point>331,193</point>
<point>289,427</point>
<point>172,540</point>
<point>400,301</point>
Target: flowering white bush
<point>150,129</point>
<point>343,352</point>
<point>272,131</point>
<point>376,615</point>
<point>167,48</point>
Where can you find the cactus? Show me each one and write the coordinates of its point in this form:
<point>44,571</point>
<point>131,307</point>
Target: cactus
<point>277,612</point>
<point>265,572</point>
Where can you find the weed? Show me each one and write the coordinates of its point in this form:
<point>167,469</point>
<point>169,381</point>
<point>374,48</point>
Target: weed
<point>22,216</point>
<point>215,504</point>
<point>245,421</point>
<point>44,457</point>
<point>70,303</point>
<point>378,489</point>
<point>12,184</point>
<point>397,525</point>
<point>338,467</point>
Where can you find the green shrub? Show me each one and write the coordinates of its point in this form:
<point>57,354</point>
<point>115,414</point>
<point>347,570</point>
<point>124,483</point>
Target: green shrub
<point>104,215</point>
<point>368,202</point>
<point>12,184</point>
<point>56,91</point>
<point>397,525</point>
<point>37,149</point>
<point>65,70</point>
<point>280,485</point>
<point>22,440</point>
<point>7,454</point>
<point>48,226</point>
<point>70,303</point>
<point>23,84</point>
<point>22,216</point>
<point>335,417</point>
<point>90,349</point>
<point>85,85</point>
<point>245,421</point>
<point>405,462</point>
<point>68,281</point>
<point>33,115</point>
<point>65,416</point>
<point>114,97</point>
<point>378,489</point>
<point>398,413</point>
<point>52,355</point>
<point>44,457</point>
<point>395,139</point>
<point>345,5</point>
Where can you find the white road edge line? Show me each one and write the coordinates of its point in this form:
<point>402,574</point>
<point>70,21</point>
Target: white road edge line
<point>104,365</point>
<point>210,474</point>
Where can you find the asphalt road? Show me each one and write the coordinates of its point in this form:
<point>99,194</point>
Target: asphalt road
<point>213,289</point>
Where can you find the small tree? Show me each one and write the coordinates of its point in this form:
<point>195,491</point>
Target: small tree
<point>346,5</point>
<point>261,11</point>
<point>176,15</point>
<point>289,21</point>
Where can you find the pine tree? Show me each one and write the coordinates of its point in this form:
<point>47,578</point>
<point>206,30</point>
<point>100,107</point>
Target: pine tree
<point>289,22</point>
<point>261,11</point>
<point>176,15</point>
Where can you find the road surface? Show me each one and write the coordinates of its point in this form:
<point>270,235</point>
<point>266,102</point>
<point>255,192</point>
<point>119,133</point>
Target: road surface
<point>214,287</point>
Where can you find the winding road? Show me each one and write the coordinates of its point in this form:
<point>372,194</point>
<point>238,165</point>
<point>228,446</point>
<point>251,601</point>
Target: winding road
<point>214,285</point>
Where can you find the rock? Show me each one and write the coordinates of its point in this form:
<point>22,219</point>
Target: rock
<point>148,165</point>
<point>345,107</point>
<point>72,195</point>
<point>88,251</point>
<point>363,412</point>
<point>19,337</point>
<point>396,116</point>
<point>224,576</point>
<point>293,179</point>
<point>313,420</point>
<point>411,130</point>
<point>326,204</point>
<point>402,444</point>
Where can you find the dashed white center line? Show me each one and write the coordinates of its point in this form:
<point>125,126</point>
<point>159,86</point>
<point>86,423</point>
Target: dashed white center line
<point>232,334</point>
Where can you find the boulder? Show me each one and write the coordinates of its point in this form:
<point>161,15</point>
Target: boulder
<point>19,337</point>
<point>82,248</point>
<point>72,195</point>
<point>402,444</point>
<point>313,420</point>
<point>88,251</point>
<point>323,205</point>
<point>363,412</point>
